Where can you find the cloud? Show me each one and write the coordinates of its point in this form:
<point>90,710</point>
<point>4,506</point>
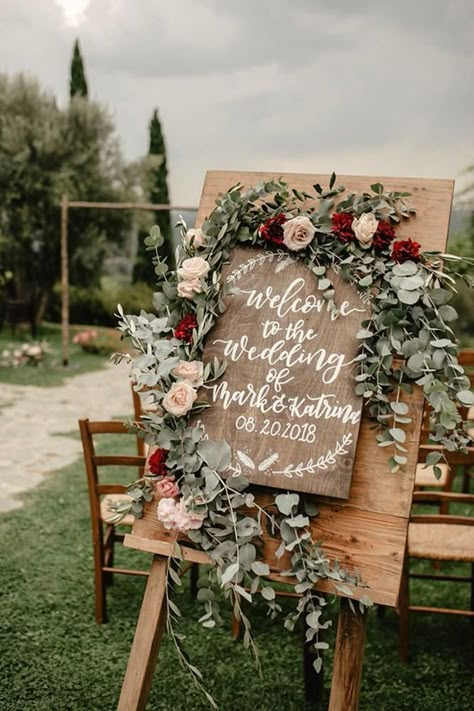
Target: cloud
<point>369,88</point>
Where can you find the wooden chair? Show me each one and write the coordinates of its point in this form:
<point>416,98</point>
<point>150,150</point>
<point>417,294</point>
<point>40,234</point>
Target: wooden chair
<point>466,358</point>
<point>425,476</point>
<point>438,537</point>
<point>104,535</point>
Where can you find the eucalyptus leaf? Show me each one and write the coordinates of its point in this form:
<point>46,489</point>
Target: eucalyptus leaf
<point>217,454</point>
<point>465,397</point>
<point>260,568</point>
<point>286,502</point>
<point>408,297</point>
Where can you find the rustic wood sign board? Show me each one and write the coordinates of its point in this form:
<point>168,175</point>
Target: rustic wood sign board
<point>286,401</point>
<point>368,531</point>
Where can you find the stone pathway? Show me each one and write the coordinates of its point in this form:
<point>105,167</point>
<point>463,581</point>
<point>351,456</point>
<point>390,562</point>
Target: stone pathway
<point>37,425</point>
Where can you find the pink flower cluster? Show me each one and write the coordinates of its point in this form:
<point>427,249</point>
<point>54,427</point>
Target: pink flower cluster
<point>84,337</point>
<point>175,516</point>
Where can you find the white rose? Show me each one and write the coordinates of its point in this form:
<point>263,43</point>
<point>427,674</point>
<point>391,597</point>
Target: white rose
<point>190,370</point>
<point>189,287</point>
<point>364,228</point>
<point>180,398</point>
<point>193,268</point>
<point>298,233</point>
<point>197,237</point>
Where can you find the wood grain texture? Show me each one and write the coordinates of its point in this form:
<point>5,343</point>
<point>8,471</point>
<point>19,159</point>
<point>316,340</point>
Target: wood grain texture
<point>368,532</point>
<point>432,198</point>
<point>348,656</point>
<point>148,634</point>
<point>299,431</point>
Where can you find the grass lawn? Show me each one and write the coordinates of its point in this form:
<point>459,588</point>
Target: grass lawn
<point>51,372</point>
<point>54,657</point>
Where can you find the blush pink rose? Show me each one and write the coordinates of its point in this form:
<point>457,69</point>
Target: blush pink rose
<point>180,398</point>
<point>196,236</point>
<point>193,268</point>
<point>167,488</point>
<point>365,228</point>
<point>190,370</point>
<point>298,233</point>
<point>188,288</point>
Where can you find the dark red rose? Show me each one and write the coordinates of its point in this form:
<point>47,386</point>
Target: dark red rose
<point>272,229</point>
<point>156,463</point>
<point>406,249</point>
<point>384,235</point>
<point>184,329</point>
<point>342,225</point>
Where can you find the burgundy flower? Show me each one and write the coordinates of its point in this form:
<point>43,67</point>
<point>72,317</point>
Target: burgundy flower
<point>272,229</point>
<point>184,329</point>
<point>406,249</point>
<point>156,463</point>
<point>342,225</point>
<point>384,235</point>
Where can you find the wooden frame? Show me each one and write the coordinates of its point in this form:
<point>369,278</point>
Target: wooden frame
<point>367,532</point>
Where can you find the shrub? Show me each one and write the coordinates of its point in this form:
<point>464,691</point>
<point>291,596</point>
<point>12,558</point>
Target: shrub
<point>96,307</point>
<point>32,353</point>
<point>103,342</point>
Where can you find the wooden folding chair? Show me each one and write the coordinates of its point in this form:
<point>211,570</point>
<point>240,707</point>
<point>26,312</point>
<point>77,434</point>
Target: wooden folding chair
<point>104,535</point>
<point>425,476</point>
<point>438,537</point>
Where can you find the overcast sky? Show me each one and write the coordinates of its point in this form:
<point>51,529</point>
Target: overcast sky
<point>376,87</point>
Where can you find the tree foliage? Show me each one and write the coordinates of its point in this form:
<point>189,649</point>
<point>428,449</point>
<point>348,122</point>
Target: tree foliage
<point>158,194</point>
<point>78,81</point>
<point>462,244</point>
<point>44,152</point>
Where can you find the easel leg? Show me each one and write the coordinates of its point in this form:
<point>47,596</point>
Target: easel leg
<point>403,610</point>
<point>146,643</point>
<point>348,657</point>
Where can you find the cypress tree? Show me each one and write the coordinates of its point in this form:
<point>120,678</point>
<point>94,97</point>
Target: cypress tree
<point>159,194</point>
<point>78,81</point>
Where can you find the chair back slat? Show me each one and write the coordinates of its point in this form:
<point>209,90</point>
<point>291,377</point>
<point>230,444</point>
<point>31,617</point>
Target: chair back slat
<point>437,497</point>
<point>106,427</point>
<point>442,497</point>
<point>117,460</point>
<point>103,489</point>
<point>453,458</point>
<point>451,519</point>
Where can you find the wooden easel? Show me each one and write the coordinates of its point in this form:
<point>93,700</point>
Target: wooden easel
<point>367,532</point>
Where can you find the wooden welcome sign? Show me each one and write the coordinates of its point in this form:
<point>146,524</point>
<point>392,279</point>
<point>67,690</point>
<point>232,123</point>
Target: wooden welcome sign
<point>286,401</point>
<point>368,531</point>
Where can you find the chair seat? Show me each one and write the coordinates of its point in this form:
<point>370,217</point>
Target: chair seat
<point>105,512</point>
<point>425,476</point>
<point>441,541</point>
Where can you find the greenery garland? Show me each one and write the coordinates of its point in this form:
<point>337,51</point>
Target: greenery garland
<point>408,339</point>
